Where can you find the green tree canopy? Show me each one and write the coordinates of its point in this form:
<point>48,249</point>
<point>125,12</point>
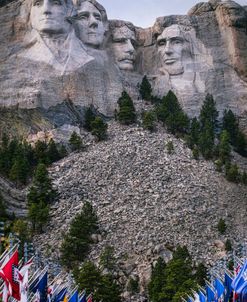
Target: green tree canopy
<point>170,113</point>
<point>126,114</point>
<point>76,243</point>
<point>145,89</point>
<point>99,128</point>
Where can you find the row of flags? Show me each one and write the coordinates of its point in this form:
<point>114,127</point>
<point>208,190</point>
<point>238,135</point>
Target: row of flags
<point>19,285</point>
<point>231,288</point>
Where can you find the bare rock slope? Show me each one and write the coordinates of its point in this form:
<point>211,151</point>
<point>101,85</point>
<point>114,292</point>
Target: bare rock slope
<point>146,200</point>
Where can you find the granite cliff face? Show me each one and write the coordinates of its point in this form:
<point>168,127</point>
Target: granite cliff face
<point>45,68</point>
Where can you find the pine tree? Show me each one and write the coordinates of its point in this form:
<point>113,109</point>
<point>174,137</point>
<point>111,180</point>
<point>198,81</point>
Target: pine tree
<point>103,287</point>
<point>126,114</point>
<point>63,151</point>
<point>221,226</point>
<point>89,118</point>
<point>76,244</point>
<point>157,281</point>
<point>171,114</point>
<point>88,277</point>
<point>40,196</point>
<point>52,152</point>
<point>241,144</point>
<point>148,120</point>
<point>209,113</point>
<point>145,89</point>
<point>224,147</point>
<point>107,259</point>
<point>40,153</point>
<point>20,170</point>
<point>230,124</point>
<point>206,141</point>
<point>194,133</point>
<point>237,137</point>
<point>75,142</point>
<point>99,128</point>
<point>232,172</point>
<point>208,126</point>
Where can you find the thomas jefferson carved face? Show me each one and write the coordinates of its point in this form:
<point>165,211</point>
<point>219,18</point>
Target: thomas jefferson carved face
<point>90,24</point>
<point>49,16</point>
<point>123,44</point>
<point>173,49</point>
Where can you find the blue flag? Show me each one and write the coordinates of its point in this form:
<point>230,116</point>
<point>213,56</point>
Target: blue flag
<point>240,281</point>
<point>188,300</point>
<point>83,298</point>
<point>202,297</point>
<point>61,295</point>
<point>210,294</point>
<point>227,283</point>
<point>243,296</point>
<point>219,287</point>
<point>74,297</point>
<point>40,288</point>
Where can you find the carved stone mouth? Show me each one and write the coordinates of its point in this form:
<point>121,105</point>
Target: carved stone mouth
<point>127,60</point>
<point>170,61</point>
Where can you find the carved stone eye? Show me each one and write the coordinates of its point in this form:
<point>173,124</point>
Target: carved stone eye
<point>97,17</point>
<point>56,2</point>
<point>162,43</point>
<point>36,3</point>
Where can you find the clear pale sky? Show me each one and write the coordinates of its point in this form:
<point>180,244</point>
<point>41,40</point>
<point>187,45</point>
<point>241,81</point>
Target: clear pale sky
<point>144,12</point>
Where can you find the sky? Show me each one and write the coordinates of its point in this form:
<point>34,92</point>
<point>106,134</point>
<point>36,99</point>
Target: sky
<point>144,12</point>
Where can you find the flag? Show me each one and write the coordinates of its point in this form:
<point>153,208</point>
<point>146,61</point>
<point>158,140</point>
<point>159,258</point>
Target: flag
<point>74,297</point>
<point>61,295</point>
<point>23,280</point>
<point>219,288</point>
<point>83,297</point>
<point>240,281</point>
<point>10,274</point>
<point>65,298</point>
<point>50,292</point>
<point>90,298</point>
<point>40,289</point>
<point>243,296</point>
<point>210,294</point>
<point>196,296</point>
<point>227,283</point>
<point>188,300</point>
<point>202,297</point>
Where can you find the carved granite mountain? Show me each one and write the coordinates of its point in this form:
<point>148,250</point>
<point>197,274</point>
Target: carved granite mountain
<point>60,69</point>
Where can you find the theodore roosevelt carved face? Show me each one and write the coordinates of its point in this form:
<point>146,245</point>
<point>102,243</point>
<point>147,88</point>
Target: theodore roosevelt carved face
<point>91,23</point>
<point>174,49</point>
<point>123,44</point>
<point>49,16</point>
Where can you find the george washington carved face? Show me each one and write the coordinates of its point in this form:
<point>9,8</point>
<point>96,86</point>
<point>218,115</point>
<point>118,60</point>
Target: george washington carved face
<point>49,16</point>
<point>123,44</point>
<point>174,49</point>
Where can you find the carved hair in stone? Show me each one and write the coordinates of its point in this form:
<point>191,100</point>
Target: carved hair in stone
<point>123,44</point>
<point>91,22</point>
<point>174,49</point>
<point>52,39</point>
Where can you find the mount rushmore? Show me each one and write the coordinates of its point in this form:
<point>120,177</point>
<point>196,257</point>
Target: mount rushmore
<point>60,56</point>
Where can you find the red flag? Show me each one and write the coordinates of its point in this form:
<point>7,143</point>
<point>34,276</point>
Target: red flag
<point>90,298</point>
<point>10,274</point>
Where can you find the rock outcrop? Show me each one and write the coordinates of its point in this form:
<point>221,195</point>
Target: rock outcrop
<point>42,66</point>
